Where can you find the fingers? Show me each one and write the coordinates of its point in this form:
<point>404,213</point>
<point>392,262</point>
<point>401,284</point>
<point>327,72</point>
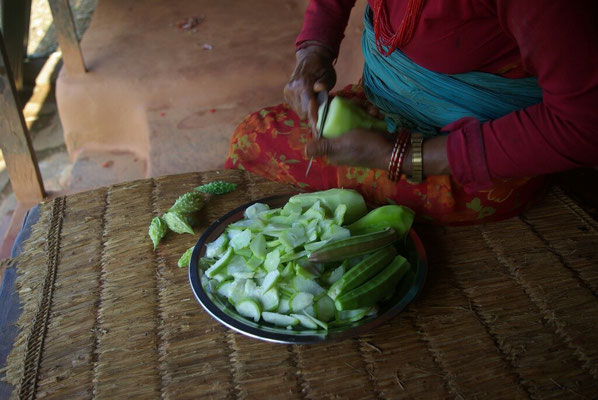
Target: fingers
<point>321,86</point>
<point>319,148</point>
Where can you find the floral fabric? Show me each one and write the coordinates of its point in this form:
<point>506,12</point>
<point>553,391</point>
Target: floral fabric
<point>271,143</point>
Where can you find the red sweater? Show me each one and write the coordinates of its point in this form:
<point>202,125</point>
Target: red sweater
<point>556,41</point>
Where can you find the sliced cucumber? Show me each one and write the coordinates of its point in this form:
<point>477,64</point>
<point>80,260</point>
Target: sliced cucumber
<point>258,246</point>
<point>346,316</point>
<point>217,247</point>
<point>302,284</point>
<point>270,280</point>
<point>322,324</point>
<point>237,291</point>
<point>279,319</point>
<point>305,321</point>
<point>224,288</point>
<point>283,306</point>
<point>220,264</point>
<point>270,300</point>
<point>249,309</point>
<point>301,300</point>
<point>324,308</point>
<point>272,260</point>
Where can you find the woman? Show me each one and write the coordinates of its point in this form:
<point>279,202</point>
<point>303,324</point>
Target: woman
<point>502,92</point>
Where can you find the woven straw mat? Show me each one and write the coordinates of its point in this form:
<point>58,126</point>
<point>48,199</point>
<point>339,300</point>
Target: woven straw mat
<point>510,310</point>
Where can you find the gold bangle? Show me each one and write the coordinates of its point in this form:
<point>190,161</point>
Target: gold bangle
<point>417,158</point>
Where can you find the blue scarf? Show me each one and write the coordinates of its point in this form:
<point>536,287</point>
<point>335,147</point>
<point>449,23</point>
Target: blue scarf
<point>414,97</point>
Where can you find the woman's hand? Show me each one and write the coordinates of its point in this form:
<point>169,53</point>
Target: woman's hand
<point>313,73</point>
<point>358,148</point>
<point>371,149</point>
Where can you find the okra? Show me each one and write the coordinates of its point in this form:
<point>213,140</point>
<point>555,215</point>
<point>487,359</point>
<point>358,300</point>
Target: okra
<point>376,288</point>
<point>360,273</point>
<point>354,246</point>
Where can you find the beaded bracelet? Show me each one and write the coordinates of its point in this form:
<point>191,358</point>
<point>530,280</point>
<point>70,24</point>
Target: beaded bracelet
<point>398,155</point>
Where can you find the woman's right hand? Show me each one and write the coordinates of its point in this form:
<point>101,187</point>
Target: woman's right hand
<point>313,73</point>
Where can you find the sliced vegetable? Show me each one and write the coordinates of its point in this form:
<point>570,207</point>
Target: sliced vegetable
<point>375,289</point>
<point>399,218</point>
<point>360,273</point>
<point>306,321</point>
<point>270,300</point>
<point>279,319</point>
<point>221,264</point>
<point>353,246</point>
<point>249,308</point>
<point>301,300</point>
<point>331,199</point>
<point>270,280</point>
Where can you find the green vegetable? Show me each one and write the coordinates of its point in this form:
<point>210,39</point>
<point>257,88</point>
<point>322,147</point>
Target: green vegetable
<point>353,246</point>
<point>344,115</point>
<point>185,258</point>
<point>375,289</point>
<point>331,199</point>
<point>279,319</point>
<point>217,187</point>
<point>249,308</point>
<point>188,203</point>
<point>220,264</point>
<point>177,223</point>
<point>399,218</point>
<point>217,247</point>
<point>360,273</point>
<point>157,230</point>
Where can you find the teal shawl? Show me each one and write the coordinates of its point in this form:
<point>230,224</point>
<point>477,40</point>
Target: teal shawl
<point>414,97</point>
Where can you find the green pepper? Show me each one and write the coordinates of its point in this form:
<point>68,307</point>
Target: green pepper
<point>344,115</point>
<point>399,218</point>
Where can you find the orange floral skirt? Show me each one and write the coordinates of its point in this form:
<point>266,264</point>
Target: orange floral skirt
<point>271,142</point>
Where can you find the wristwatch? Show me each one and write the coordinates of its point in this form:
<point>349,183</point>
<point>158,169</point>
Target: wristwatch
<point>417,158</point>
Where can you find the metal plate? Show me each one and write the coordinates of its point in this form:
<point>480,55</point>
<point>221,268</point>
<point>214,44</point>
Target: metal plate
<point>225,313</point>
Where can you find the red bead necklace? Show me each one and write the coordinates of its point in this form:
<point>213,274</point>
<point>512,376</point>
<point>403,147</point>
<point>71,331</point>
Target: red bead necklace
<point>383,30</point>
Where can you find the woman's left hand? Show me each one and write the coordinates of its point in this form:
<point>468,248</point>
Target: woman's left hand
<point>357,148</point>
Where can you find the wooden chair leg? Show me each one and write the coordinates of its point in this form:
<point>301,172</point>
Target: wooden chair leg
<point>15,142</point>
<point>15,27</point>
<point>67,37</point>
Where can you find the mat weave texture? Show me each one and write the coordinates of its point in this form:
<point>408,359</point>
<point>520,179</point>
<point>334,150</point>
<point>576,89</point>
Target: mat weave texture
<point>510,310</point>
